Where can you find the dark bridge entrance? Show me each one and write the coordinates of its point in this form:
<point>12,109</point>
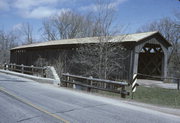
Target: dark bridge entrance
<point>151,60</point>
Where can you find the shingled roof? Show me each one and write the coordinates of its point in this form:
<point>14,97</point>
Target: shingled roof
<point>136,37</point>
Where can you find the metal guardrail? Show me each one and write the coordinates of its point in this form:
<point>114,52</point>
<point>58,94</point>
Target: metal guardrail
<point>92,83</point>
<point>26,69</point>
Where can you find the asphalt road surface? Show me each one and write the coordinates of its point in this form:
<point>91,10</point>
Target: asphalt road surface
<point>26,101</point>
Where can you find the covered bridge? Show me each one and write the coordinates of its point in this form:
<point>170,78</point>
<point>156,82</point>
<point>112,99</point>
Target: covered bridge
<point>148,52</point>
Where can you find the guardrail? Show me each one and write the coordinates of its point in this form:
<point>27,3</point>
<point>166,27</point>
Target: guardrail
<point>92,83</point>
<point>1,66</point>
<point>74,80</point>
<point>33,70</point>
<point>175,79</point>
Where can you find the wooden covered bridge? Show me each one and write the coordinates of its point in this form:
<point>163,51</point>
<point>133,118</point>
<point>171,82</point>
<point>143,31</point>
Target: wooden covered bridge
<point>148,52</point>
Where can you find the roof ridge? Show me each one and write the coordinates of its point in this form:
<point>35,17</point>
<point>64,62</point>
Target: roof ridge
<point>135,37</point>
<point>143,32</point>
<point>97,36</point>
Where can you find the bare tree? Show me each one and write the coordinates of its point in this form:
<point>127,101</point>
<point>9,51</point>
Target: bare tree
<point>27,31</point>
<point>49,31</point>
<point>70,25</point>
<point>7,41</point>
<point>165,26</point>
<point>177,19</point>
<point>41,62</point>
<point>102,59</point>
<point>63,62</point>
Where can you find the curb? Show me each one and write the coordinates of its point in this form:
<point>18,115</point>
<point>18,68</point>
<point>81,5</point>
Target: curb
<point>35,78</point>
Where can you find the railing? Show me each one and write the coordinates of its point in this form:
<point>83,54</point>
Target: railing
<point>175,79</point>
<point>90,83</point>
<point>1,66</point>
<point>87,83</point>
<point>33,70</point>
<point>73,80</point>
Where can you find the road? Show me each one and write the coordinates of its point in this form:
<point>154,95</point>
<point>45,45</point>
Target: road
<point>26,101</point>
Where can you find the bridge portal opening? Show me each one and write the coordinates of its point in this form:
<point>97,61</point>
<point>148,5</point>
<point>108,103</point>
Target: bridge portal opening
<point>151,60</point>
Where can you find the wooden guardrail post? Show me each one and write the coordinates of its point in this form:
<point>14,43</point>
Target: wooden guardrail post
<point>178,83</point>
<point>32,69</point>
<point>14,66</point>
<point>90,83</point>
<point>44,72</point>
<point>22,68</point>
<point>123,95</point>
<point>5,66</point>
<point>74,85</point>
<point>9,66</point>
<point>25,69</point>
<point>67,78</point>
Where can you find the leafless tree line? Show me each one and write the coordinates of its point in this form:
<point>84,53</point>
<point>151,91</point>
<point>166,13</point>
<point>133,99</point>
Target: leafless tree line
<point>7,41</point>
<point>66,26</point>
<point>10,39</point>
<point>71,25</point>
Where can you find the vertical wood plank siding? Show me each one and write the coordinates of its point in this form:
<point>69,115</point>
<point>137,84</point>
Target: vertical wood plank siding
<point>28,56</point>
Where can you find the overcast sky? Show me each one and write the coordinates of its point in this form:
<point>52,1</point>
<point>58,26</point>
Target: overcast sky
<point>131,13</point>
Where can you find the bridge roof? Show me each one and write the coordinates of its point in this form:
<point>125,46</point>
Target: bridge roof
<point>136,37</point>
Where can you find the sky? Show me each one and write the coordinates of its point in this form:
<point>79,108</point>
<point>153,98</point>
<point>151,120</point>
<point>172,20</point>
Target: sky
<point>130,13</point>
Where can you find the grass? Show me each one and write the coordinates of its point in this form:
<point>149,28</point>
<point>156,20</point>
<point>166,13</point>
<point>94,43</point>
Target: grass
<point>156,96</point>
